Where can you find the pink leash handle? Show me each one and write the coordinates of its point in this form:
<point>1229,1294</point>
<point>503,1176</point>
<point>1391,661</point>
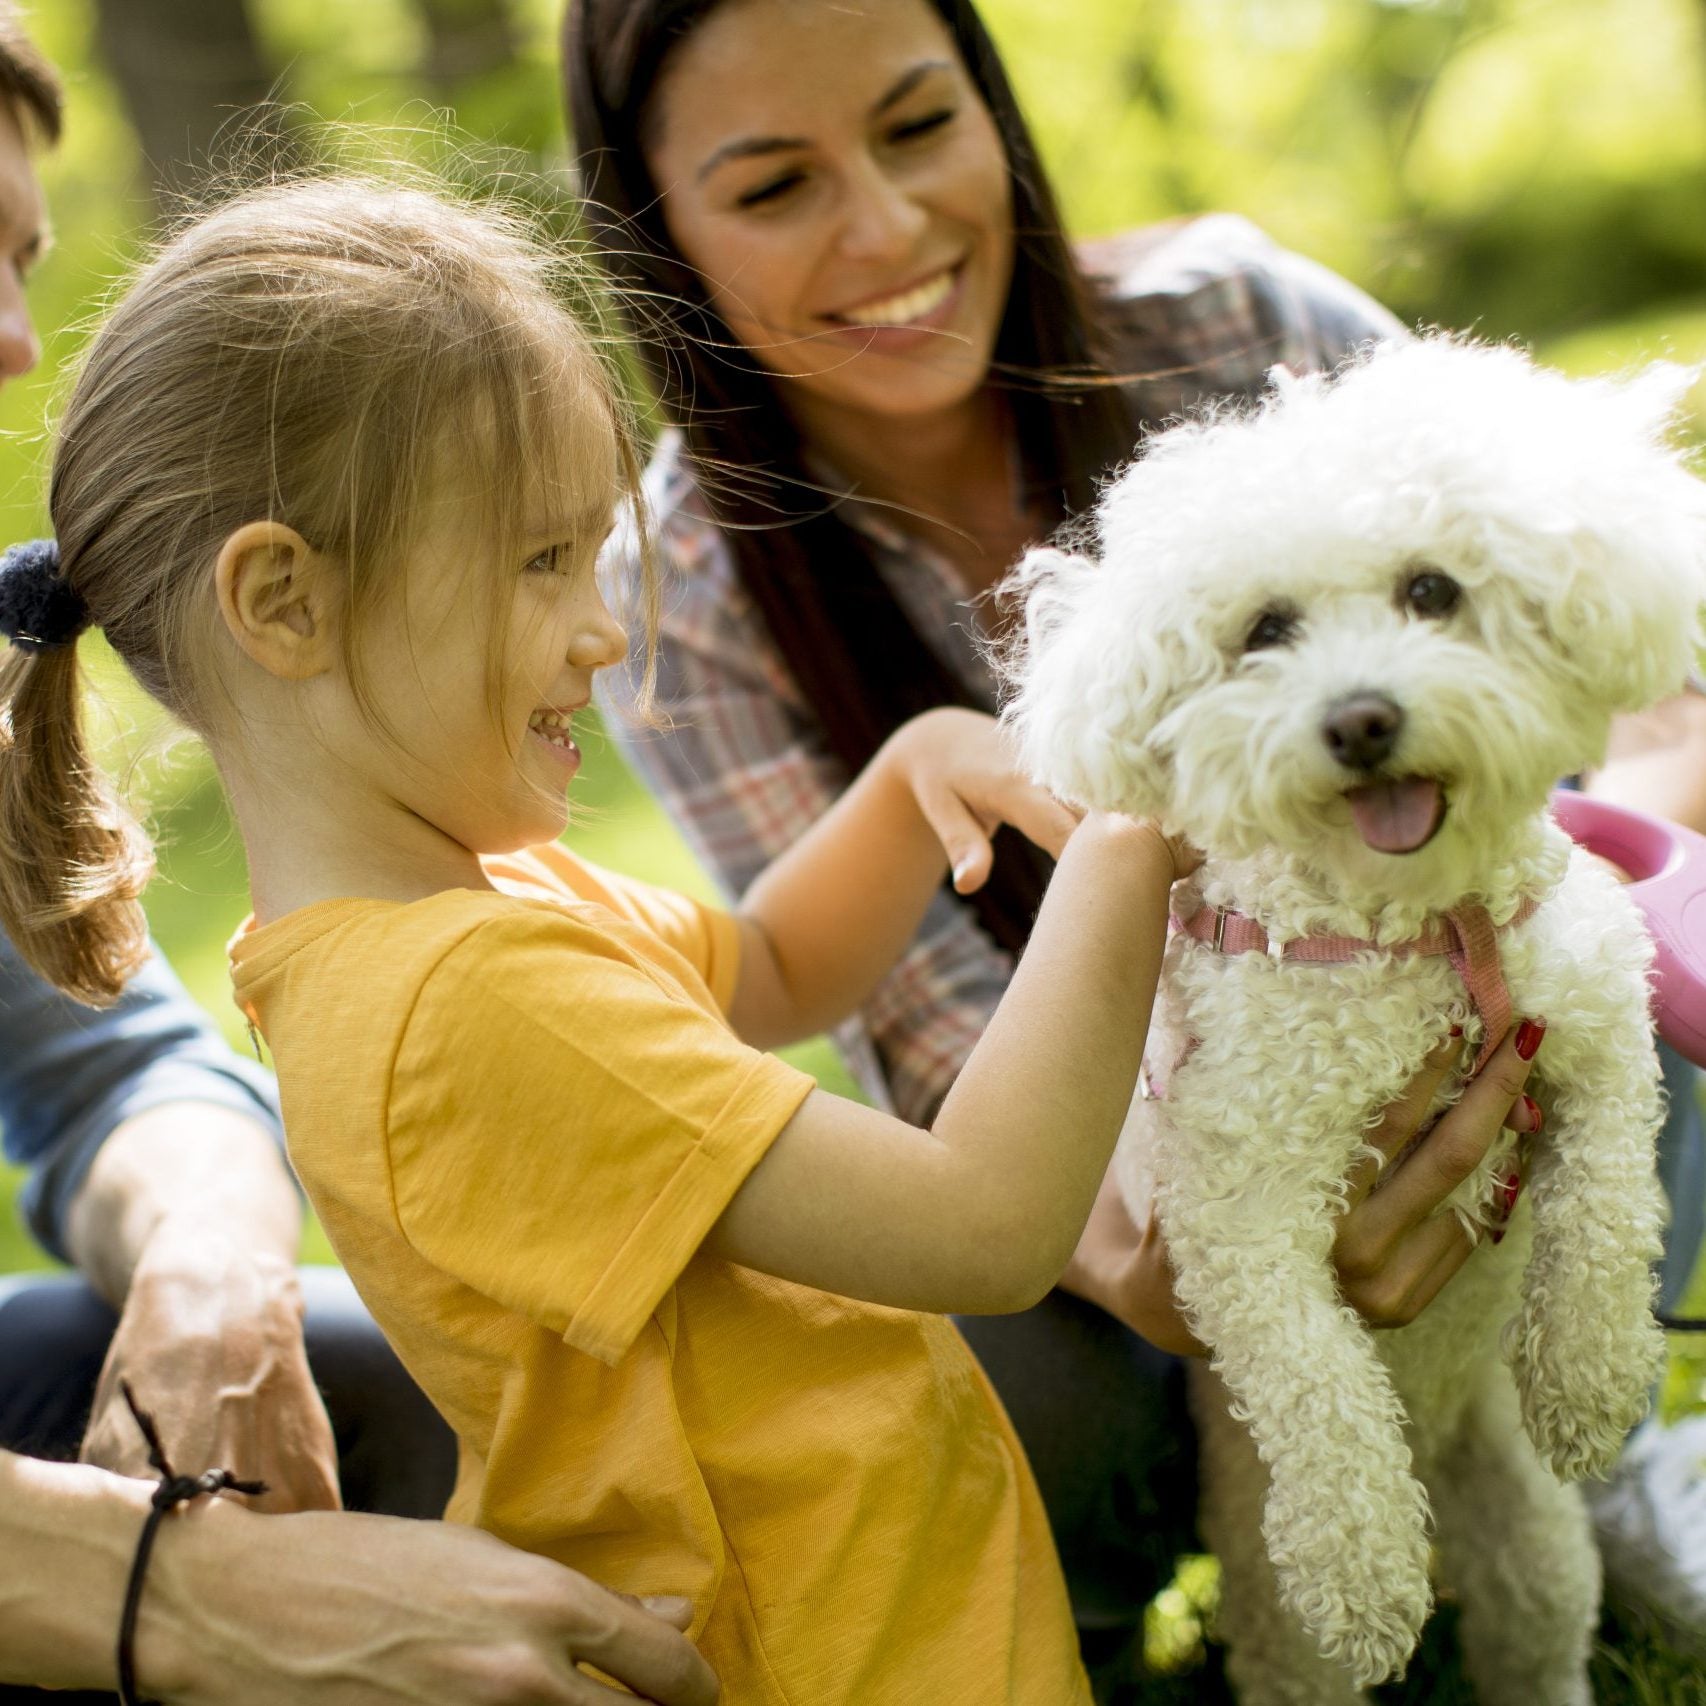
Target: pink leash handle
<point>1667,865</point>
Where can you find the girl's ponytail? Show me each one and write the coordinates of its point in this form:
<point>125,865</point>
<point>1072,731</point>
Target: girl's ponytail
<point>72,860</point>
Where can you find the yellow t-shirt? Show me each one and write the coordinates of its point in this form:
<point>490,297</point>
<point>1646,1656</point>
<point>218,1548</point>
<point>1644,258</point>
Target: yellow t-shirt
<point>518,1115</point>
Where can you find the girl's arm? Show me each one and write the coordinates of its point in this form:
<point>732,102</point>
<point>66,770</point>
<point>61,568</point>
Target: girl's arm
<point>980,1214</point>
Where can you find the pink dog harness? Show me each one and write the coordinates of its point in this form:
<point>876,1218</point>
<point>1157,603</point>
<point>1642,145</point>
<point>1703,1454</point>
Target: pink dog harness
<point>1465,934</point>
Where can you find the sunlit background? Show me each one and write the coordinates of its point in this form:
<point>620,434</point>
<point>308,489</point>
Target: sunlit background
<point>1531,168</point>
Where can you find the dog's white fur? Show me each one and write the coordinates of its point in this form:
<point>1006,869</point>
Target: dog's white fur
<point>1579,541</point>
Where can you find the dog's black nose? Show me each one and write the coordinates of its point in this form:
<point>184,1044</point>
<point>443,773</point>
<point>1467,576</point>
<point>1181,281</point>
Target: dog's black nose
<point>1361,730</point>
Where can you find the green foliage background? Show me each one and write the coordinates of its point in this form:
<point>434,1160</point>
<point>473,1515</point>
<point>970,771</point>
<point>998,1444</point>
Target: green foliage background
<point>1532,168</point>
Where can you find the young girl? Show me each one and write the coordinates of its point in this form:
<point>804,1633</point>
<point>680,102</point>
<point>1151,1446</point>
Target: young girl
<point>333,481</point>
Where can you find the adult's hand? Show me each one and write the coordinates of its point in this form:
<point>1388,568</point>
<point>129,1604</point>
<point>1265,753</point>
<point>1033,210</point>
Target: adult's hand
<point>210,1339</point>
<point>188,1224</point>
<point>1394,1250</point>
<point>317,1609</point>
<point>347,1610</point>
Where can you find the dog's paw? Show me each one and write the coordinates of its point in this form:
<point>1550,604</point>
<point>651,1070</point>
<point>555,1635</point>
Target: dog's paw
<point>1369,1628</point>
<point>1578,1408</point>
<point>1357,1577</point>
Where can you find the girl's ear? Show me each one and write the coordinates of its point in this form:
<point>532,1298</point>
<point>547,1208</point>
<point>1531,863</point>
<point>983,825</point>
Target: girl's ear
<point>276,598</point>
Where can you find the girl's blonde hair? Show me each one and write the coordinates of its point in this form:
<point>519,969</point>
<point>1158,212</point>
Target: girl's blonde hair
<point>309,354</point>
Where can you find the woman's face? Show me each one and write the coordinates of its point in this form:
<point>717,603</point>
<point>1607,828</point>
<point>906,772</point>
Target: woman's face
<point>832,173</point>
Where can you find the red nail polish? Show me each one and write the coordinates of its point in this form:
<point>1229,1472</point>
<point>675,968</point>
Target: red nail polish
<point>1529,1036</point>
<point>1505,1193</point>
<point>1536,1119</point>
<point>1455,1031</point>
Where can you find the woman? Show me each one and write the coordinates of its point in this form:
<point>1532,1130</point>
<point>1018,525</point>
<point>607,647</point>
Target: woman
<point>887,372</point>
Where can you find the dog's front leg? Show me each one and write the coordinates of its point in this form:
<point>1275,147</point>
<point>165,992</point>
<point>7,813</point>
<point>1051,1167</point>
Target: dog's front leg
<point>1346,1522</point>
<point>1585,1349</point>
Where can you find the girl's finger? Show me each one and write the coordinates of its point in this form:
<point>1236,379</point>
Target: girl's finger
<point>1458,1144</point>
<point>1040,817</point>
<point>1403,1119</point>
<point>963,838</point>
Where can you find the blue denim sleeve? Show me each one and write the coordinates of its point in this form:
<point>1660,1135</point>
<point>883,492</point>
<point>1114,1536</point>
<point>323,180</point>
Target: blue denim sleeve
<point>70,1074</point>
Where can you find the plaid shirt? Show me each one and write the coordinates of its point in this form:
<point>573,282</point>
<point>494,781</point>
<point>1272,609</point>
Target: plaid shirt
<point>1205,308</point>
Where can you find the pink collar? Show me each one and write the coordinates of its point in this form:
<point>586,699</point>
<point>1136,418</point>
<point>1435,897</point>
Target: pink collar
<point>1466,934</point>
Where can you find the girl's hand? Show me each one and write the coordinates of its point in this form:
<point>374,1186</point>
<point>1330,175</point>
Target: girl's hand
<point>962,775</point>
<point>1394,1249</point>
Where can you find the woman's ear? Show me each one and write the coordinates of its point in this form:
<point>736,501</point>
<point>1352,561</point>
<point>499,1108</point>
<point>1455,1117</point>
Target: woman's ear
<point>276,596</point>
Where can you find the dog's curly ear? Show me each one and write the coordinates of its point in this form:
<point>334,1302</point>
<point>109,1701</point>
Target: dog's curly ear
<point>1629,623</point>
<point>1086,684</point>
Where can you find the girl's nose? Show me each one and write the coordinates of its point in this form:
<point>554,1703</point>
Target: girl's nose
<point>599,640</point>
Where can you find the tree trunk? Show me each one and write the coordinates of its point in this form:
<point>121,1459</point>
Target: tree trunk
<point>197,89</point>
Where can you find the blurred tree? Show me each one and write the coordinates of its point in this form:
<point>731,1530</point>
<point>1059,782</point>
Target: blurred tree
<point>197,88</point>
<point>467,39</point>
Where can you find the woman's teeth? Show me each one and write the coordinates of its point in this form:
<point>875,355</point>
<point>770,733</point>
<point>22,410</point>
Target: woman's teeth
<point>553,725</point>
<point>902,310</point>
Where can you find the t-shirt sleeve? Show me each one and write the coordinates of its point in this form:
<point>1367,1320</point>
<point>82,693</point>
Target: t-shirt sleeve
<point>566,1124</point>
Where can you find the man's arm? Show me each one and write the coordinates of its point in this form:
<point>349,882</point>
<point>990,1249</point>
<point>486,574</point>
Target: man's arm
<point>311,1610</point>
<point>155,1165</point>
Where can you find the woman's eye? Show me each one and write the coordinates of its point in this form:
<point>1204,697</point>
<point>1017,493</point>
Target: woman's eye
<point>772,190</point>
<point>1271,628</point>
<point>1431,592</point>
<point>918,127</point>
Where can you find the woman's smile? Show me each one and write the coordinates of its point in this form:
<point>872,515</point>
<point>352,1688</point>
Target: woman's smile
<point>905,316</point>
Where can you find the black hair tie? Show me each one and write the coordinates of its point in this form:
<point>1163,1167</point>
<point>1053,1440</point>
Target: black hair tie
<point>174,1490</point>
<point>39,608</point>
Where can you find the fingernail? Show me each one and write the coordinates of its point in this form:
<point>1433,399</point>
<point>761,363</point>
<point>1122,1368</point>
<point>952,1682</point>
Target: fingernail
<point>1531,1033</point>
<point>671,1606</point>
<point>960,870</point>
<point>1505,1193</point>
<point>1536,1119</point>
<point>1455,1031</point>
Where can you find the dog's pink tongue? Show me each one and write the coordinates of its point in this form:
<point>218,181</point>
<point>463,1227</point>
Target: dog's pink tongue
<point>1396,817</point>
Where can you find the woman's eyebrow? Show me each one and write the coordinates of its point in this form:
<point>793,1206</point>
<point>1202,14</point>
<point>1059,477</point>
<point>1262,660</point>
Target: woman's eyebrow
<point>745,147</point>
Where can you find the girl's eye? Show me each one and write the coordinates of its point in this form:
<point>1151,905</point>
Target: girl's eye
<point>773,190</point>
<point>548,561</point>
<point>916,128</point>
<point>1431,592</point>
<point>1271,628</point>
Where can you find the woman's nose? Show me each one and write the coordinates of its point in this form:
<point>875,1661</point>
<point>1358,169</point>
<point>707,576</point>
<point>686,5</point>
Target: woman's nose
<point>883,221</point>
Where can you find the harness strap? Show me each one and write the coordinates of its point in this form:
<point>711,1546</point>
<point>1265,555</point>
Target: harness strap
<point>1466,934</point>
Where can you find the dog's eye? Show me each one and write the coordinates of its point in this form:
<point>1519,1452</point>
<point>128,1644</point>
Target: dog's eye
<point>1271,628</point>
<point>1431,592</point>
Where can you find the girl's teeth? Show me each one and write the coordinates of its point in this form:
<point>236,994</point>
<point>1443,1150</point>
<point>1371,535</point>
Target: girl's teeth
<point>904,309</point>
<point>553,725</point>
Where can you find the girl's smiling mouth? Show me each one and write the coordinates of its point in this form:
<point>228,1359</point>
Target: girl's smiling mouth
<point>551,728</point>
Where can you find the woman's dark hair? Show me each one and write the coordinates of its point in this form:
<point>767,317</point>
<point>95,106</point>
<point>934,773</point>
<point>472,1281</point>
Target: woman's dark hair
<point>859,662</point>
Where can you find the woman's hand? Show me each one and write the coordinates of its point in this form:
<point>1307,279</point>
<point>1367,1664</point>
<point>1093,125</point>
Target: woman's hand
<point>1394,1250</point>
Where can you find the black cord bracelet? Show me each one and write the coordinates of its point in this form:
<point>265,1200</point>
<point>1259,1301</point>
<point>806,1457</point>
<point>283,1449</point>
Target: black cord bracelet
<point>174,1490</point>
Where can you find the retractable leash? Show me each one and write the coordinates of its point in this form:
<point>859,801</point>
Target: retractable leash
<point>1667,869</point>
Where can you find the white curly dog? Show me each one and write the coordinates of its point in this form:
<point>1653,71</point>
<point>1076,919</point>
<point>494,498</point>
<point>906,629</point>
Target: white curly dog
<point>1347,644</point>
